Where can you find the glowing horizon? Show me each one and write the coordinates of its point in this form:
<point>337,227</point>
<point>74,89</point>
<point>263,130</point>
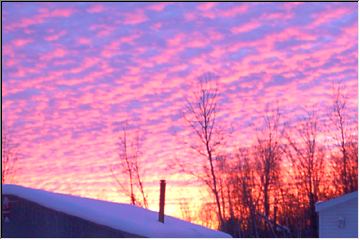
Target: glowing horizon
<point>72,72</point>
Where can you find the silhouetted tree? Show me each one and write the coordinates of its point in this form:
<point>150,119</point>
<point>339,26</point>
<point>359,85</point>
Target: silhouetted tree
<point>268,159</point>
<point>201,116</point>
<point>207,215</point>
<point>307,157</point>
<point>256,192</point>
<point>9,156</point>
<point>346,162</point>
<point>129,166</point>
<point>245,186</point>
<point>186,212</point>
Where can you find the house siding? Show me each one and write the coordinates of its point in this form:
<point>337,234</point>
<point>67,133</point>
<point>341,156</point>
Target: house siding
<point>329,220</point>
<point>29,219</point>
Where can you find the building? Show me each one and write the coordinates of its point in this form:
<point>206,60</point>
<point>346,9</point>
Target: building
<point>338,217</point>
<point>36,213</point>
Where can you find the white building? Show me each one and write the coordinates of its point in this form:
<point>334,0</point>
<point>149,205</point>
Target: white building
<point>338,217</point>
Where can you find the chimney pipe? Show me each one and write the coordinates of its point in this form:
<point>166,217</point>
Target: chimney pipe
<point>162,200</point>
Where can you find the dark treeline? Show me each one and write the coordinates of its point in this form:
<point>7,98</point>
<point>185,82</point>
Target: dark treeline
<point>269,189</point>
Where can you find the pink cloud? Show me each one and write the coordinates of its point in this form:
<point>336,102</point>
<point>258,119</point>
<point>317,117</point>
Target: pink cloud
<point>207,12</point>
<point>190,16</point>
<point>134,18</point>
<point>277,16</point>
<point>9,63</point>
<point>102,30</point>
<point>57,53</point>
<point>96,8</point>
<point>26,22</point>
<point>209,15</point>
<point>111,48</point>
<point>178,39</point>
<point>232,12</point>
<point>157,26</point>
<point>327,16</point>
<point>55,36</point>
<point>158,7</point>
<point>62,12</point>
<point>44,14</point>
<point>206,6</point>
<point>84,41</point>
<point>290,6</point>
<point>21,42</point>
<point>246,27</point>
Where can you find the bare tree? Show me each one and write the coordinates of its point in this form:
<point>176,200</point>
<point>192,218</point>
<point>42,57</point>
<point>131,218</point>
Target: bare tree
<point>245,184</point>
<point>201,116</point>
<point>9,156</point>
<point>268,157</point>
<point>206,214</point>
<point>186,212</point>
<point>346,140</point>
<point>307,157</point>
<point>129,166</point>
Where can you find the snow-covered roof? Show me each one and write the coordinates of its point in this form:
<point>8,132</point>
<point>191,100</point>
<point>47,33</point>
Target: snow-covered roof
<point>124,217</point>
<point>335,201</point>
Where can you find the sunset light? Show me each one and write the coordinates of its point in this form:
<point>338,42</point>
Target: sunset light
<point>104,100</point>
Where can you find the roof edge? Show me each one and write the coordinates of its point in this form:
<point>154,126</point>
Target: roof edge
<point>320,206</point>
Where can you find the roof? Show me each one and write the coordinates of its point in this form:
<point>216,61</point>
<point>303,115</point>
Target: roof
<point>123,217</point>
<point>335,201</point>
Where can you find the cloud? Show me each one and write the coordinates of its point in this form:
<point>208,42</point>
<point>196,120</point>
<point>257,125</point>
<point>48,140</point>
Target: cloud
<point>84,41</point>
<point>328,16</point>
<point>96,8</point>
<point>62,12</point>
<point>55,36</point>
<point>39,18</point>
<point>21,42</point>
<point>234,11</point>
<point>245,27</point>
<point>158,7</point>
<point>206,6</point>
<point>134,18</point>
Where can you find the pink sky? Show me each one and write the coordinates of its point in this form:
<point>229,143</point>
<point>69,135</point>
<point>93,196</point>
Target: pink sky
<point>72,72</point>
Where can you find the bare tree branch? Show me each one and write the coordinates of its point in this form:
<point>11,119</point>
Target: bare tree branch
<point>128,166</point>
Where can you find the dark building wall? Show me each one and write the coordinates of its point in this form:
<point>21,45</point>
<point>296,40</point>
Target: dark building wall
<point>28,219</point>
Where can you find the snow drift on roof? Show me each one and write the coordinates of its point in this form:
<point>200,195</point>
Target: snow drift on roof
<point>335,201</point>
<point>124,217</point>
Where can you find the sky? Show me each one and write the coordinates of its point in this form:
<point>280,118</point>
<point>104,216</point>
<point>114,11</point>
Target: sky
<point>73,72</point>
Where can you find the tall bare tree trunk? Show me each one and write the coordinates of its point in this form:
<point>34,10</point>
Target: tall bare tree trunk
<point>201,117</point>
<point>268,155</point>
<point>307,158</point>
<point>343,139</point>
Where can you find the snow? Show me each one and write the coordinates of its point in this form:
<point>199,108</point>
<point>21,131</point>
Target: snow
<point>321,205</point>
<point>124,217</point>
